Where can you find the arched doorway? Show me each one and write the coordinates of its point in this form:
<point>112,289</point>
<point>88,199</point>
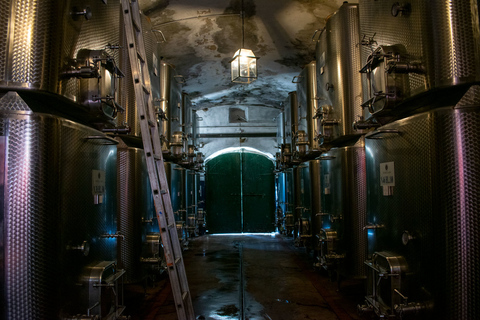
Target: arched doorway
<point>240,186</point>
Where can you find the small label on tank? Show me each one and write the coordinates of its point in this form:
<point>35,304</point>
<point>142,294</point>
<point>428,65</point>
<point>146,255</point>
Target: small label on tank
<point>98,182</point>
<point>387,174</point>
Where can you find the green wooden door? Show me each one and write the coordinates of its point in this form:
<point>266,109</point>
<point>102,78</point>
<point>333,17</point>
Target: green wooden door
<point>223,189</point>
<point>258,193</point>
<point>240,193</point>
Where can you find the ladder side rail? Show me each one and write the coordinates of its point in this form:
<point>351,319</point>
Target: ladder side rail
<point>144,126</point>
<point>155,164</point>
<point>168,209</point>
<point>157,152</point>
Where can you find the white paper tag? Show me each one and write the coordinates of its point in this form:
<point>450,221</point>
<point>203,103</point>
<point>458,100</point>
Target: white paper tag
<point>98,182</point>
<point>387,174</point>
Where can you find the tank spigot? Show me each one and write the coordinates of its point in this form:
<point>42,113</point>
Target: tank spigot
<point>83,248</point>
<point>364,310</point>
<point>374,226</point>
<point>407,237</point>
<point>149,221</point>
<point>410,309</point>
<point>335,218</point>
<point>77,13</point>
<point>402,9</point>
<point>362,124</point>
<point>114,235</point>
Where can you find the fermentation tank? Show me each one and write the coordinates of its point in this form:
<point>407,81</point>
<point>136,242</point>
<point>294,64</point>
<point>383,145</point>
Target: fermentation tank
<point>65,51</point>
<point>343,240</point>
<point>417,54</point>
<point>59,236</point>
<point>290,120</point>
<point>302,213</point>
<point>176,177</point>
<point>289,201</point>
<point>316,200</point>
<point>280,119</point>
<point>171,105</point>
<point>136,218</point>
<point>191,202</point>
<point>127,90</point>
<point>201,205</point>
<point>339,82</point>
<point>423,222</point>
<point>306,139</point>
<point>281,207</point>
<point>190,125</point>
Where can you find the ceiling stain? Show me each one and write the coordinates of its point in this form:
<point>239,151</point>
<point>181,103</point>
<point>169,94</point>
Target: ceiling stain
<point>203,35</point>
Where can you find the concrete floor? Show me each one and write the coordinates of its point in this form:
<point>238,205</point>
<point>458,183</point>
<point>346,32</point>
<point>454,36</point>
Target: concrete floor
<point>253,276</point>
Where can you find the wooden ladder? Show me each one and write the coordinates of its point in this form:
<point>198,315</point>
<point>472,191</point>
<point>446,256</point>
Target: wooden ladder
<point>152,147</point>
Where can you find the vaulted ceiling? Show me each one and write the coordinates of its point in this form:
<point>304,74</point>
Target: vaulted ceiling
<point>202,36</point>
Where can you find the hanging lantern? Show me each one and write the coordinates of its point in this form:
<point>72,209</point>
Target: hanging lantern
<point>244,66</point>
<point>244,62</point>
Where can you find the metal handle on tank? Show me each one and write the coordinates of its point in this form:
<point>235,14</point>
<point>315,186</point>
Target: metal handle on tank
<point>161,33</point>
<point>182,79</point>
<point>373,134</point>
<point>296,77</point>
<point>107,138</point>
<point>321,31</point>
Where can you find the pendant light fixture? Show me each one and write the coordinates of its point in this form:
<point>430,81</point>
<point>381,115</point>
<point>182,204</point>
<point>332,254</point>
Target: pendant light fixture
<point>244,62</point>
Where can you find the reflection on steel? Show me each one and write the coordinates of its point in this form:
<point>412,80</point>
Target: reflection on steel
<point>418,53</point>
<point>339,82</point>
<point>170,104</point>
<point>307,105</point>
<point>344,203</point>
<point>48,58</point>
<point>50,210</point>
<point>432,197</point>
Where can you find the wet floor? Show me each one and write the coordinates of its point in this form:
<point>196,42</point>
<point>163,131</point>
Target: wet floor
<point>250,277</point>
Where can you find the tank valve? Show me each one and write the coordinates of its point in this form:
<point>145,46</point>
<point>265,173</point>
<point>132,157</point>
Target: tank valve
<point>407,237</point>
<point>410,309</point>
<point>362,124</point>
<point>114,235</point>
<point>83,248</point>
<point>364,310</point>
<point>149,221</point>
<point>76,13</point>
<point>403,9</point>
<point>329,122</point>
<point>302,142</point>
<point>334,218</point>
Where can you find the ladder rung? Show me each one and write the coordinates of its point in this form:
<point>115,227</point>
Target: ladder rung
<point>145,89</point>
<point>136,24</point>
<point>142,58</point>
<point>152,141</point>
